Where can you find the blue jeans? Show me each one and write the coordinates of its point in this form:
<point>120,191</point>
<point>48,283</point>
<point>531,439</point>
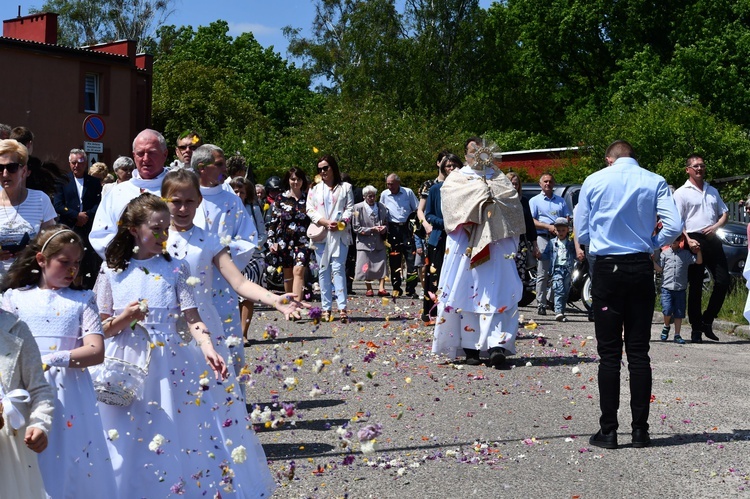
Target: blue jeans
<point>336,265</point>
<point>560,287</point>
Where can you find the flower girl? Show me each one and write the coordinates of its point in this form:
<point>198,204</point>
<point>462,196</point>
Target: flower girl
<point>65,324</point>
<point>175,437</point>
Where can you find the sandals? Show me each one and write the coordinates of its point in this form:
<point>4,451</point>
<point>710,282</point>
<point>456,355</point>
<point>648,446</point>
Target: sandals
<point>369,292</point>
<point>382,292</point>
<point>664,333</point>
<point>326,316</point>
<point>343,317</point>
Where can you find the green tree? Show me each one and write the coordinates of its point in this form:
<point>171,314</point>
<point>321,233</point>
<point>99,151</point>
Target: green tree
<point>88,22</point>
<point>275,87</point>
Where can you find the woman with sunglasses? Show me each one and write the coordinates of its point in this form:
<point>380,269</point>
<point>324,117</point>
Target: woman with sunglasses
<point>23,212</point>
<point>329,205</point>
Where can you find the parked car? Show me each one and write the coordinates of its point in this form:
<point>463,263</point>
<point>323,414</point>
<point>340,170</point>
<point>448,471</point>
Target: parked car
<point>569,192</point>
<point>733,238</point>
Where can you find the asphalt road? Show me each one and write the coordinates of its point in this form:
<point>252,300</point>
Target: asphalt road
<point>451,430</point>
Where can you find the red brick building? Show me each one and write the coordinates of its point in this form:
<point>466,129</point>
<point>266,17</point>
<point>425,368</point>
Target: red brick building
<point>52,89</point>
<point>537,161</point>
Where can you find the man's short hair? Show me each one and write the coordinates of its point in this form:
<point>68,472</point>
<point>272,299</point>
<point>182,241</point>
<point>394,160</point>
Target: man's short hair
<point>5,131</point>
<point>204,155</point>
<point>76,152</point>
<point>393,176</point>
<point>692,157</point>
<point>159,137</point>
<point>478,140</point>
<point>619,149</point>
<point>22,135</point>
<point>192,135</point>
<point>547,174</point>
<point>235,164</point>
<point>124,163</point>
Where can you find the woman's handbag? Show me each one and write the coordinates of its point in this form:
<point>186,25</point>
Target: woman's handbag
<point>120,378</point>
<point>316,233</point>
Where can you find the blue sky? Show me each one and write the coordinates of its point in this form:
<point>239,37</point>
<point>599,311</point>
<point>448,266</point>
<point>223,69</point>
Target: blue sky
<point>264,18</point>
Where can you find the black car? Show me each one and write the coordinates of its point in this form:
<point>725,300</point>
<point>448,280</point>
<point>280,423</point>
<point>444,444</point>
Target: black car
<point>733,238</point>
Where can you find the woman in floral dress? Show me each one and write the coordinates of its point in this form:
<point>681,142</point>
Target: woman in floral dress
<point>287,241</point>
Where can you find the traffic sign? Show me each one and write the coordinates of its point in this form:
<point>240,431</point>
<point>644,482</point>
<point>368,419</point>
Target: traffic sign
<point>93,127</point>
<point>95,147</point>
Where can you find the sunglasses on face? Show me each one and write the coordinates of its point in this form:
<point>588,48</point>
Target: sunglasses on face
<point>79,160</point>
<point>11,167</point>
<point>697,165</point>
<point>322,169</point>
<point>192,147</point>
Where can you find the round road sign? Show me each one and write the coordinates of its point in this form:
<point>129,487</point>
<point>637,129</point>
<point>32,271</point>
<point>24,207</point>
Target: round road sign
<point>93,127</point>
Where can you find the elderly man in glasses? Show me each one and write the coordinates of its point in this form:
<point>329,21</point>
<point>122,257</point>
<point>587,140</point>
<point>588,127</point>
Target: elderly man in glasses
<point>704,212</point>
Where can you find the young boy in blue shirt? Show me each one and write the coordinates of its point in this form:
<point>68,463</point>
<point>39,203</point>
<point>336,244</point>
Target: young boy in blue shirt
<point>673,264</point>
<point>561,252</point>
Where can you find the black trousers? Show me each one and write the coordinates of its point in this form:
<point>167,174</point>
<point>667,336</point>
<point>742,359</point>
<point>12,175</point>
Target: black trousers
<point>623,300</point>
<point>435,256</point>
<point>402,248</point>
<point>716,261</point>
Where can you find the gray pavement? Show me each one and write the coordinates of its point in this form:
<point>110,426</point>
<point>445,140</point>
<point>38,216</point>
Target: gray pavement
<point>451,430</point>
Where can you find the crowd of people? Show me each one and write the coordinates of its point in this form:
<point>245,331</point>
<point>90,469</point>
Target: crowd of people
<point>153,275</point>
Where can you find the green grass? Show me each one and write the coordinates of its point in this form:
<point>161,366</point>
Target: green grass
<point>734,303</point>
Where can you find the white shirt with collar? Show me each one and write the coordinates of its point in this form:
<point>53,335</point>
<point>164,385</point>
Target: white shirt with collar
<point>699,208</point>
<point>111,207</point>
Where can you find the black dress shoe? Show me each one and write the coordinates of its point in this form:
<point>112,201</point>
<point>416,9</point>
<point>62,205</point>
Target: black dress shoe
<point>497,357</point>
<point>696,338</point>
<point>641,439</point>
<point>708,330</point>
<point>472,357</point>
<point>604,440</point>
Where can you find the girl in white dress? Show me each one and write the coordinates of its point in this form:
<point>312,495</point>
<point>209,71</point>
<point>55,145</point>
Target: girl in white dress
<point>205,252</point>
<point>26,407</point>
<point>176,438</point>
<point>67,329</point>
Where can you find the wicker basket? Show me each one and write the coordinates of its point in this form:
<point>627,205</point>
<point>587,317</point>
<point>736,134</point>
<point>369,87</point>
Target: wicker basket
<point>117,381</point>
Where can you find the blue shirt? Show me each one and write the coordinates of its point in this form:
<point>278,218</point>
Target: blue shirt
<point>400,205</point>
<point>547,210</point>
<point>617,210</point>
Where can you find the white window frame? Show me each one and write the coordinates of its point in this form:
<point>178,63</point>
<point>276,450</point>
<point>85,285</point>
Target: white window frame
<point>91,88</point>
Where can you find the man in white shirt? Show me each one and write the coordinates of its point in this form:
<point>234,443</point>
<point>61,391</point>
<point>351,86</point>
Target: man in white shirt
<point>704,212</point>
<point>76,203</point>
<point>401,203</point>
<point>149,154</point>
<point>221,212</point>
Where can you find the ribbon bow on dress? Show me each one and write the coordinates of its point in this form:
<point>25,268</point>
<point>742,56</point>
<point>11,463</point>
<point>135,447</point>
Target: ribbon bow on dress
<point>18,396</point>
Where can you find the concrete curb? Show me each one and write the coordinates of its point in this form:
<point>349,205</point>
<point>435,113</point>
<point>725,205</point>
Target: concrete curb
<point>741,330</point>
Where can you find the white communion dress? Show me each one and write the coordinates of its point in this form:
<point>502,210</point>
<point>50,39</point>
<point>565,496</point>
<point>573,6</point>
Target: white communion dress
<point>76,461</point>
<point>177,438</point>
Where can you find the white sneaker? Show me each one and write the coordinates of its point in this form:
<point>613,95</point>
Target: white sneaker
<point>561,318</point>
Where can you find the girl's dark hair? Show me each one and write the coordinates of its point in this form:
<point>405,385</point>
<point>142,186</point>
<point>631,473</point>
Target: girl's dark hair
<point>137,212</point>
<point>334,166</point>
<point>182,177</point>
<point>250,195</point>
<point>25,270</point>
<point>297,172</point>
